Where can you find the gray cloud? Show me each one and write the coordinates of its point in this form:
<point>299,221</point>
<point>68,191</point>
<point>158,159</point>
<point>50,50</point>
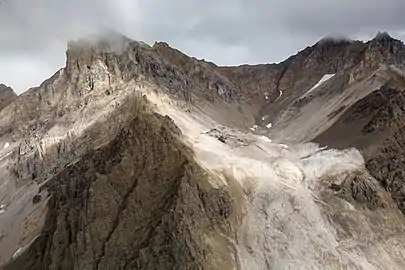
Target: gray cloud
<point>34,32</point>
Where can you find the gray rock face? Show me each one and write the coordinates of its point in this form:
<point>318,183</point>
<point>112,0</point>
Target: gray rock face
<point>361,189</point>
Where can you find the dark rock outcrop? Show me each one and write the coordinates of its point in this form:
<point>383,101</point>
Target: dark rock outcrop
<point>361,189</point>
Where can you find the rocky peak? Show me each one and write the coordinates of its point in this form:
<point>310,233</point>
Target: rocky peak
<point>7,95</point>
<point>161,44</point>
<point>385,49</point>
<point>384,41</point>
<point>328,56</point>
<point>178,57</point>
<point>331,42</point>
<point>98,62</point>
<point>267,83</point>
<point>205,73</point>
<point>110,42</point>
<point>332,55</point>
<point>383,37</point>
<point>6,89</point>
<point>175,56</point>
<point>83,52</point>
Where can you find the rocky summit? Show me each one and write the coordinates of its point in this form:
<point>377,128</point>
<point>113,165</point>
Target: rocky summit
<point>142,157</point>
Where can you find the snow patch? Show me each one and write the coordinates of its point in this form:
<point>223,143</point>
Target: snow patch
<point>324,79</point>
<point>265,139</point>
<point>269,125</point>
<point>266,95</point>
<point>6,145</point>
<point>281,93</point>
<point>9,153</point>
<point>17,253</point>
<point>21,250</point>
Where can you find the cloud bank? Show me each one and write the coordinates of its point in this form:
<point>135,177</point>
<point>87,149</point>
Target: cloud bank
<point>34,33</point>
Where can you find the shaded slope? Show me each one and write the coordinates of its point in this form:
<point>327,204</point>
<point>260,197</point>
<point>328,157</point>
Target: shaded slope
<point>375,125</point>
<point>139,202</point>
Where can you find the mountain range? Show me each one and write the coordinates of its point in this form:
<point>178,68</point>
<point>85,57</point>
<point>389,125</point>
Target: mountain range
<point>142,157</point>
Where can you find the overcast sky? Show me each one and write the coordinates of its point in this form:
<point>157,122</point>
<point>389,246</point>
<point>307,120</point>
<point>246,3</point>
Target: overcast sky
<point>33,33</point>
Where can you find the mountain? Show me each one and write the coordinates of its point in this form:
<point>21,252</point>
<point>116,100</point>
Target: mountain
<point>141,157</point>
